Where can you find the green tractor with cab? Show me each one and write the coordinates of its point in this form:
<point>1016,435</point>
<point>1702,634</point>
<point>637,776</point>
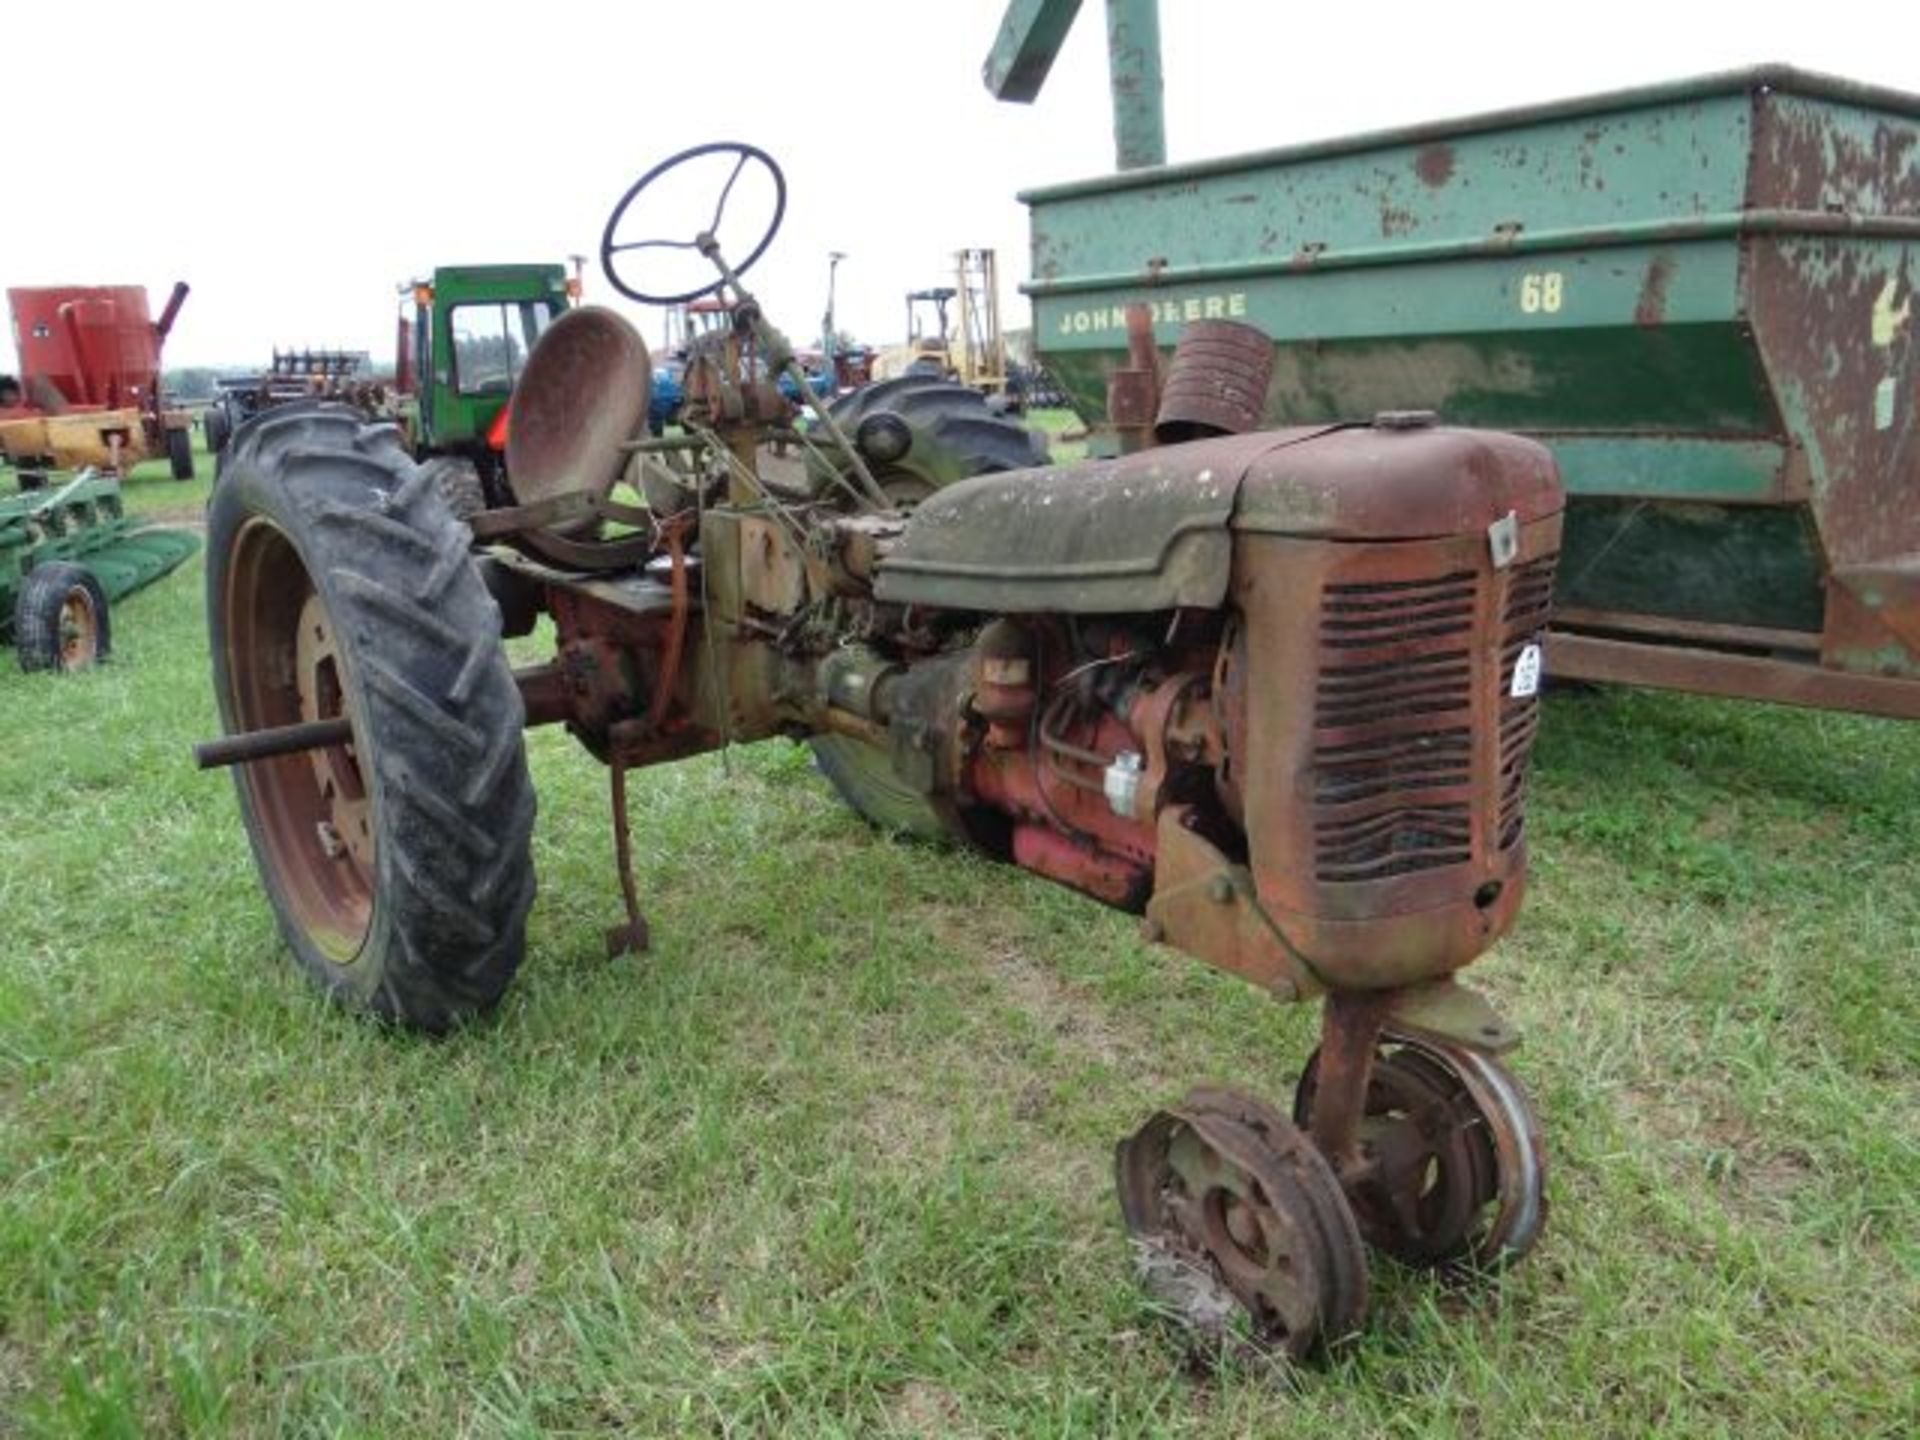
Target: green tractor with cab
<point>464,338</point>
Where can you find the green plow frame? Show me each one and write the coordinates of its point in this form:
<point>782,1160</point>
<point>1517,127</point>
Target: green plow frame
<point>83,521</point>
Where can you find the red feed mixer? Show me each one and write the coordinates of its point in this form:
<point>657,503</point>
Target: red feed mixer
<point>89,390</point>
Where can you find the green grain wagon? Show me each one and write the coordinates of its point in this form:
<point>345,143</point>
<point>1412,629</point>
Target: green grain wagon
<point>1700,295</point>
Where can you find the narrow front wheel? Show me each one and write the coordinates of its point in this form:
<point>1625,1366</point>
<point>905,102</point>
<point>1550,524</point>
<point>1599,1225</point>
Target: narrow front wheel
<point>1455,1168</point>
<point>1234,1213</point>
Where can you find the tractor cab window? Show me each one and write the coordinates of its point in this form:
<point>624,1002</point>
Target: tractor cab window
<point>491,343</point>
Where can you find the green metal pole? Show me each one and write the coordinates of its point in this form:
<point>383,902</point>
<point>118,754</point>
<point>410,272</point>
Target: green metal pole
<point>834,257</point>
<point>1031,34</point>
<point>1133,59</point>
<point>1030,38</point>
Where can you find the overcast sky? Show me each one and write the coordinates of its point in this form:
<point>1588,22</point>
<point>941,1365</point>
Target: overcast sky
<point>294,170</point>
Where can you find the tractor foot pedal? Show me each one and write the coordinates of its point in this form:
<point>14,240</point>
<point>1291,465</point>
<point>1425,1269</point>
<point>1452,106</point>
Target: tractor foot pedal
<point>633,937</point>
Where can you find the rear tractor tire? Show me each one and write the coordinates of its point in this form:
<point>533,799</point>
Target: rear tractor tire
<point>339,584</point>
<point>917,434</point>
<point>457,479</point>
<point>60,619</point>
<point>920,433</point>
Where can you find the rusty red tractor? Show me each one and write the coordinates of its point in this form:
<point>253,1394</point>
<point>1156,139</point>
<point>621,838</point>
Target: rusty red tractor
<point>1274,691</point>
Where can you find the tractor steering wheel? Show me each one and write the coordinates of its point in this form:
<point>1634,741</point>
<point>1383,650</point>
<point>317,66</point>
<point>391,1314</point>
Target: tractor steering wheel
<point>707,238</point>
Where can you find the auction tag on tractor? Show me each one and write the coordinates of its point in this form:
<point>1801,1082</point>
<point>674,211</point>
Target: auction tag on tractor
<point>1526,673</point>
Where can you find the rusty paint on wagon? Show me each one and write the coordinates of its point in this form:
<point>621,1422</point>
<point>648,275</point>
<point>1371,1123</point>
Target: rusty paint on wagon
<point>1699,295</point>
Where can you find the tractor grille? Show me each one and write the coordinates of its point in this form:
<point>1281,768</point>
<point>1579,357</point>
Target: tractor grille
<point>1523,622</point>
<point>1393,736</point>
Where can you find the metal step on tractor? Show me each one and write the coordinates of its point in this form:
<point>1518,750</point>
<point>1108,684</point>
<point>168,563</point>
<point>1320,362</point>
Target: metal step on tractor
<point>1272,690</point>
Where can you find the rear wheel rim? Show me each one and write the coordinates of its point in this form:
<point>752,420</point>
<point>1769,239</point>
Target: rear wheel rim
<point>79,630</point>
<point>312,811</point>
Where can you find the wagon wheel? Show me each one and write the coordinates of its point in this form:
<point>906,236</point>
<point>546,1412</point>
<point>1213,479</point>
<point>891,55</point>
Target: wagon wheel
<point>339,585</point>
<point>1234,1211</point>
<point>60,618</point>
<point>180,453</point>
<point>1455,1174</point>
<point>215,426</point>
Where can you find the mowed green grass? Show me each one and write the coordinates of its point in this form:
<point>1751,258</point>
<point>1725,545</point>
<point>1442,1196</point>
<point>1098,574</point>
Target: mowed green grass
<point>1056,424</point>
<point>833,1159</point>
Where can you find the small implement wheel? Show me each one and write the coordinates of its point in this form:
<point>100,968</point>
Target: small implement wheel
<point>180,453</point>
<point>1231,1207</point>
<point>60,618</point>
<point>1455,1175</point>
<point>338,584</point>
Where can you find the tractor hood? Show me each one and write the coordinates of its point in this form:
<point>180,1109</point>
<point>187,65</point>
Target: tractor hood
<point>1153,530</point>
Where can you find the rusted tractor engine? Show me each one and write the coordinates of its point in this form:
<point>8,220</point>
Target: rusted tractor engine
<point>1274,691</point>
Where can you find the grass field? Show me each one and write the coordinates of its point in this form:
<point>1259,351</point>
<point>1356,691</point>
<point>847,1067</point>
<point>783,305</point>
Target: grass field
<point>833,1158</point>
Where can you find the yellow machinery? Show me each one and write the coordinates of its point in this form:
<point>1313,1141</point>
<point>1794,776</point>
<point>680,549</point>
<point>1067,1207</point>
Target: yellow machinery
<point>972,352</point>
<point>979,350</point>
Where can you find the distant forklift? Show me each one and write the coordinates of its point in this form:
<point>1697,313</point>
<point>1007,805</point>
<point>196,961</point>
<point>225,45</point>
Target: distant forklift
<point>968,347</point>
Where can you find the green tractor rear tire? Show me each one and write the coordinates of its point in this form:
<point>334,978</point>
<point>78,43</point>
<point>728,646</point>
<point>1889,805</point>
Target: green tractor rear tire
<point>457,479</point>
<point>917,434</point>
<point>399,865</point>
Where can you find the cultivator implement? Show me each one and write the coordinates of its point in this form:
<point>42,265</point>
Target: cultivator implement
<point>67,553</point>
